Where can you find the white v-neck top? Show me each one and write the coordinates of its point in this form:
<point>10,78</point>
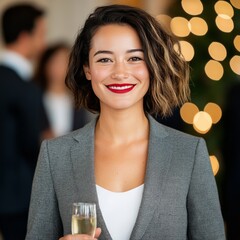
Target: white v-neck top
<point>120,210</point>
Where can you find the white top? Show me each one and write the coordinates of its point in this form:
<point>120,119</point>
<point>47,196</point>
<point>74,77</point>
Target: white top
<point>18,63</point>
<point>120,210</point>
<point>59,109</point>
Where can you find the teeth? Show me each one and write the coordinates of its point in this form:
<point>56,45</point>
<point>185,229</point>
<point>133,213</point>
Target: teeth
<point>120,87</point>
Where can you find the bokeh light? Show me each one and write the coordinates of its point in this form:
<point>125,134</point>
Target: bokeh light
<point>217,51</point>
<point>186,49</point>
<point>214,164</point>
<point>202,122</point>
<point>225,25</point>
<point>198,26</point>
<point>236,42</point>
<point>179,26</point>
<point>165,21</point>
<point>188,111</point>
<point>214,111</point>
<point>214,70</point>
<point>235,64</point>
<point>235,3</point>
<point>192,7</point>
<point>224,9</point>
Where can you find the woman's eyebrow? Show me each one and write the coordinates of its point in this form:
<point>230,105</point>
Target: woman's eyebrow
<point>102,51</point>
<point>110,52</point>
<point>135,50</point>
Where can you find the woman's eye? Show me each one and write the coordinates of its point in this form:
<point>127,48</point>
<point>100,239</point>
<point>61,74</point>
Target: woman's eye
<point>104,60</point>
<point>135,59</point>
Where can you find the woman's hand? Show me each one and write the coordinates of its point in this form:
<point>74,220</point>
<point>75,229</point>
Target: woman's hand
<point>82,236</point>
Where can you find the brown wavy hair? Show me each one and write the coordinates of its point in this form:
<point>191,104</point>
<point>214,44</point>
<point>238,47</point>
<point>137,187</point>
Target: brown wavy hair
<point>169,72</point>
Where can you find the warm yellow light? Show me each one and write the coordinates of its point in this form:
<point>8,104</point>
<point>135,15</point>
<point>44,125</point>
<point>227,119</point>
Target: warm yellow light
<point>192,7</point>
<point>217,51</point>
<point>225,25</point>
<point>186,49</point>
<point>214,111</point>
<point>235,3</point>
<point>198,26</point>
<point>202,122</point>
<point>179,26</point>
<point>236,42</point>
<point>164,20</point>
<point>214,70</point>
<point>235,64</point>
<point>214,164</point>
<point>188,111</point>
<point>224,9</point>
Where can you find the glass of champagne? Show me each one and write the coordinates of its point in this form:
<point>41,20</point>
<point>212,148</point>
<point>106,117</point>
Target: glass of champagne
<point>84,218</point>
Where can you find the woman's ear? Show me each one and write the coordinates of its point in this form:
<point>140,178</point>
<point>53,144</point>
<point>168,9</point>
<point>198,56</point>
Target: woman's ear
<point>87,72</point>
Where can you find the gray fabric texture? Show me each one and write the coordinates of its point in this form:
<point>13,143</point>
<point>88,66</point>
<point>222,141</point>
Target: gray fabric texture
<point>180,199</point>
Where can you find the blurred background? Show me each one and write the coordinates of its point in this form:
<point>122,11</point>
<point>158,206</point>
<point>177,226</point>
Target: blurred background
<point>209,34</point>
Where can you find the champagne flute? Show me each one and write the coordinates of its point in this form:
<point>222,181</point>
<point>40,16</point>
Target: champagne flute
<point>84,218</point>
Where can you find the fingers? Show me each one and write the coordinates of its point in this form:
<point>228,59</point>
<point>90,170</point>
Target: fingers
<point>81,236</point>
<point>97,233</point>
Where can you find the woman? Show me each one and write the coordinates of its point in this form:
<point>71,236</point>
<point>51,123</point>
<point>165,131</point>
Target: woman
<point>148,181</point>
<point>58,101</point>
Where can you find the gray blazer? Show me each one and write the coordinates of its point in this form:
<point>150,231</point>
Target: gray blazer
<point>180,199</point>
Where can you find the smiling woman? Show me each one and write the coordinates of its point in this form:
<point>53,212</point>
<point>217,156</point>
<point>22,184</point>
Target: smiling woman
<point>148,181</point>
<point>117,66</point>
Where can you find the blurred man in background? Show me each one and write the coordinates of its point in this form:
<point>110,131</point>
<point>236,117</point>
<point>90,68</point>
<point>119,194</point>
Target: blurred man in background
<point>21,114</point>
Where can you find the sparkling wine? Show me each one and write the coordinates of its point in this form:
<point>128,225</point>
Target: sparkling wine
<point>84,225</point>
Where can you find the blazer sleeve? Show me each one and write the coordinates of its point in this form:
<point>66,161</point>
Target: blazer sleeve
<point>44,220</point>
<point>205,220</point>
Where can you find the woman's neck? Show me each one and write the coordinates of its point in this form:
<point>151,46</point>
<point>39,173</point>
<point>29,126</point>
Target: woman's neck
<point>122,126</point>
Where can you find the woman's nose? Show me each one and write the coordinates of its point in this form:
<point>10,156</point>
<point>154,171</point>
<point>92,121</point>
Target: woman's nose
<point>120,71</point>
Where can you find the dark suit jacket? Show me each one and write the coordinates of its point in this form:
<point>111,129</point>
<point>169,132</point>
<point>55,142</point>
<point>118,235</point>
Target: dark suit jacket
<point>21,120</point>
<point>231,153</point>
<point>180,199</point>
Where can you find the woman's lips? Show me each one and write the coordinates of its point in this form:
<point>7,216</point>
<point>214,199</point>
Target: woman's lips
<point>120,88</point>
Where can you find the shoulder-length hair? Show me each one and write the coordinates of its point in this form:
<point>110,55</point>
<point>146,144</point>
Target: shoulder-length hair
<point>169,72</point>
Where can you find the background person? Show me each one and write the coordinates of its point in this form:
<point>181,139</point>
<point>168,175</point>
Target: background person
<point>21,114</point>
<point>58,100</point>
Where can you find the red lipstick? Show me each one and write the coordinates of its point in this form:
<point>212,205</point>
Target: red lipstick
<point>121,88</point>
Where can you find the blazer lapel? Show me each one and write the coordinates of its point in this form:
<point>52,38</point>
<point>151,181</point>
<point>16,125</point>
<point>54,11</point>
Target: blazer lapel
<point>159,158</point>
<point>82,156</point>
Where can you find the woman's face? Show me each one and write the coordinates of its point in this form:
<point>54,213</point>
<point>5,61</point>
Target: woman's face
<point>117,69</point>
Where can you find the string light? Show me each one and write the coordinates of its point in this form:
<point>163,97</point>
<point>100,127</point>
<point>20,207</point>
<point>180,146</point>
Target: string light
<point>192,7</point>
<point>179,26</point>
<point>225,25</point>
<point>198,26</point>
<point>188,111</point>
<point>235,64</point>
<point>214,70</point>
<point>214,164</point>
<point>235,3</point>
<point>214,111</point>
<point>217,51</point>
<point>236,42</point>
<point>224,9</point>
<point>186,49</point>
<point>202,122</point>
